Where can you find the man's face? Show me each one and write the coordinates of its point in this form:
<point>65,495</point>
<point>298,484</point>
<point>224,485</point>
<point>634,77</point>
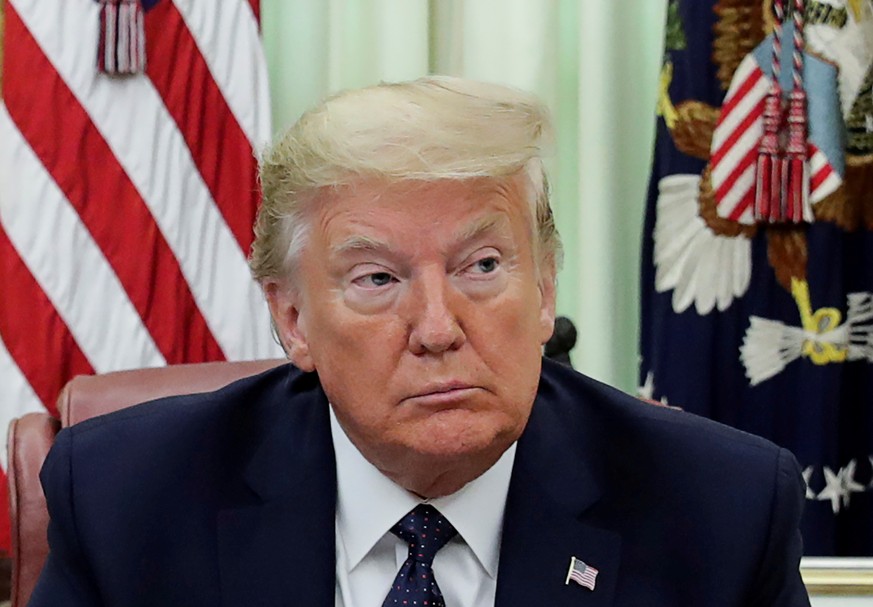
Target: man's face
<point>420,306</point>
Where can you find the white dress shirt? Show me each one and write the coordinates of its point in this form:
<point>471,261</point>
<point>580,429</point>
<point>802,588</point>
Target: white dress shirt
<point>368,555</point>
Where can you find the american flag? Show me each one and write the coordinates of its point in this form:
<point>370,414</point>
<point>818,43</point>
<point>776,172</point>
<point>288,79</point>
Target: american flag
<point>582,574</point>
<point>127,202</point>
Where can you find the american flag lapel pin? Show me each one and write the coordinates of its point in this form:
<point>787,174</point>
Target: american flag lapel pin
<point>582,574</point>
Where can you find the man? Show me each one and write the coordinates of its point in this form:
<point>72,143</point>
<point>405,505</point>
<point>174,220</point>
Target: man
<point>421,453</point>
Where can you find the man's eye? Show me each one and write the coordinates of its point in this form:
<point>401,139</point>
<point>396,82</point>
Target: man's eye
<point>380,279</point>
<point>374,280</point>
<point>487,265</point>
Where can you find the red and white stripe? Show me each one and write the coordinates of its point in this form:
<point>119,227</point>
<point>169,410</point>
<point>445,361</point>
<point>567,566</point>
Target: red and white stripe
<point>735,147</point>
<point>126,204</point>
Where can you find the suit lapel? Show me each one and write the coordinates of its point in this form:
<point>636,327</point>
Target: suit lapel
<point>277,546</point>
<point>550,516</point>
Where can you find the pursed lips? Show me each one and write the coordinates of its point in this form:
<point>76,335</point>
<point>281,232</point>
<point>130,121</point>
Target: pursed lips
<point>443,393</point>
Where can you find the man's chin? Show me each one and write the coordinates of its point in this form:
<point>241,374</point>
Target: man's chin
<point>460,434</point>
<point>462,455</point>
<point>441,452</point>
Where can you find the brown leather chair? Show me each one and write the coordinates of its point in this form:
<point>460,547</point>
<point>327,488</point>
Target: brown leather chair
<point>31,437</point>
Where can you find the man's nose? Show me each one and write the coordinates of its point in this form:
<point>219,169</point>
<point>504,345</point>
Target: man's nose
<point>435,326</point>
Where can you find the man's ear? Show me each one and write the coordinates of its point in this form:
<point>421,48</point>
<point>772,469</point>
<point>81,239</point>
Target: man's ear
<point>290,325</point>
<point>548,295</point>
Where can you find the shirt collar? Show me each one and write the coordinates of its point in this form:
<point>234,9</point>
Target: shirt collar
<point>369,503</point>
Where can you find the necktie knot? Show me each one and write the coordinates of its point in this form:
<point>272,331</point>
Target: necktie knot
<point>426,531</point>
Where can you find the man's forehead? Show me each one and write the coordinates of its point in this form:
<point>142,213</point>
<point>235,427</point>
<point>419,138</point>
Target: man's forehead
<point>374,189</point>
<point>360,238</point>
<point>360,215</point>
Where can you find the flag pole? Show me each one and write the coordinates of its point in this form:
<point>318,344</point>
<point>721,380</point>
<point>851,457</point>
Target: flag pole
<point>570,570</point>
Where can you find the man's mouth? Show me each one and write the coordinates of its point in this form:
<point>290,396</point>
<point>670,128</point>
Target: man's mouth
<point>443,393</point>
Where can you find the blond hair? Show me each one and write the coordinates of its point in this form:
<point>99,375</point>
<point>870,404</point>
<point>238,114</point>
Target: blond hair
<point>429,129</point>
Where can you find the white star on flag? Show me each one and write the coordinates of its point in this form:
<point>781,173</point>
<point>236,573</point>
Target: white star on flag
<point>647,390</point>
<point>807,476</point>
<point>833,489</point>
<point>840,486</point>
<point>847,477</point>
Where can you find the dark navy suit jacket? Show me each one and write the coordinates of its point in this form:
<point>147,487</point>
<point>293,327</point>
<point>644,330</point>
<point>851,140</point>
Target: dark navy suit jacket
<point>228,499</point>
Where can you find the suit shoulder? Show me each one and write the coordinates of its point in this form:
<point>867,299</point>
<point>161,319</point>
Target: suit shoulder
<point>172,445</point>
<point>647,429</point>
<point>175,412</point>
<point>207,432</point>
<point>670,464</point>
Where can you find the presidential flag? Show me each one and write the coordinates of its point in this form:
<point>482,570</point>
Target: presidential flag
<point>128,140</point>
<point>757,277</point>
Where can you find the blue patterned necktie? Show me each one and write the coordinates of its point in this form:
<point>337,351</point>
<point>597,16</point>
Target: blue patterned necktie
<point>426,531</point>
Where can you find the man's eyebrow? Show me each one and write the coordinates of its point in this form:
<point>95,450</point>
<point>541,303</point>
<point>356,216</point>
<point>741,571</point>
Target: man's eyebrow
<point>480,227</point>
<point>358,244</point>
